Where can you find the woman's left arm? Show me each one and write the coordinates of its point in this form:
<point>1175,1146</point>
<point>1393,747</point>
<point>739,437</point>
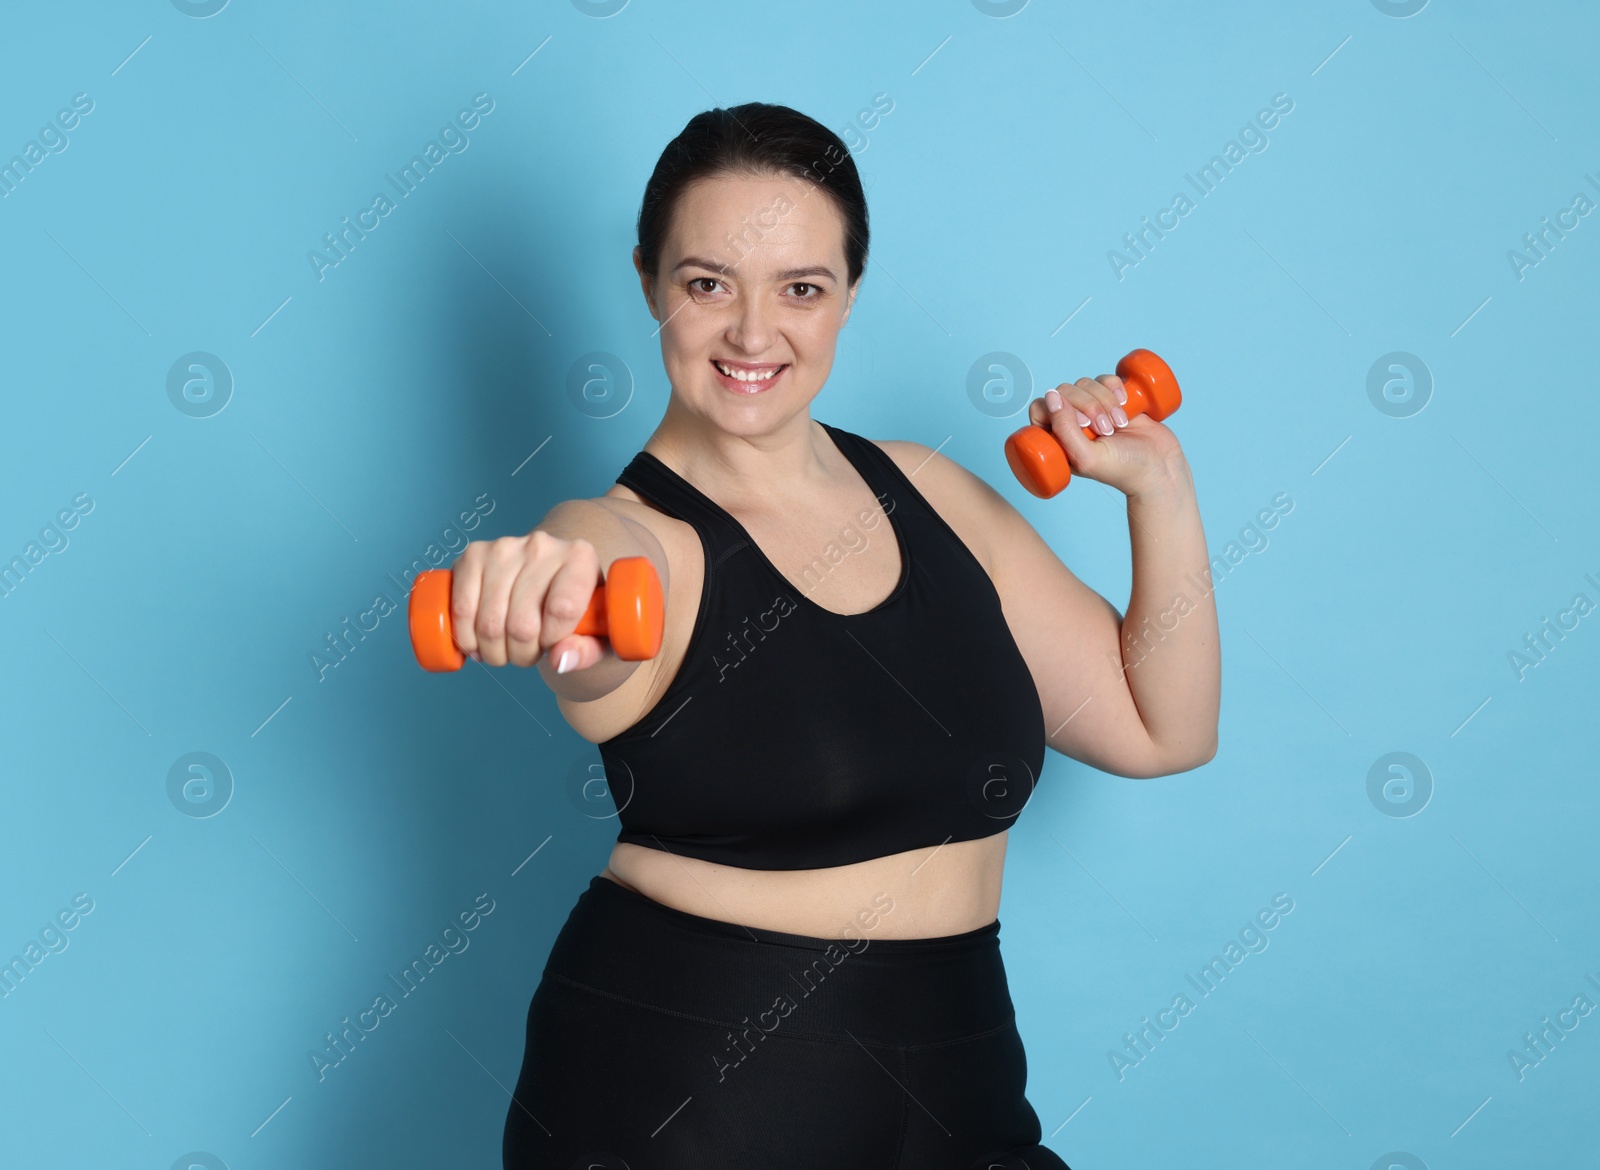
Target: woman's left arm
<point>1138,694</point>
<point>1170,649</point>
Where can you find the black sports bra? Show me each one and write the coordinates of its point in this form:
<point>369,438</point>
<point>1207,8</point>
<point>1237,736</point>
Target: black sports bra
<point>793,737</point>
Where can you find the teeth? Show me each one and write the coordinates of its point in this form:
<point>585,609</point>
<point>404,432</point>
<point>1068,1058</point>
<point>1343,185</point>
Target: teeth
<point>747,375</point>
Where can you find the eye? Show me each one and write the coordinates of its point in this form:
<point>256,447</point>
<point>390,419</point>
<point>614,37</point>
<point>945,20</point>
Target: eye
<point>697,282</point>
<point>815,290</point>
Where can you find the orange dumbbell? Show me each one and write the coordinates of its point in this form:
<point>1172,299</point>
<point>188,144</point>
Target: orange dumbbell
<point>1039,460</point>
<point>626,610</point>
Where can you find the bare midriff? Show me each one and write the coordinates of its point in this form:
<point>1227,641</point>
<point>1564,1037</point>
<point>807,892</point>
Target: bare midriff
<point>939,890</point>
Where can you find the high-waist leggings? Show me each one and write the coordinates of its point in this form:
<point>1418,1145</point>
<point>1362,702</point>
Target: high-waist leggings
<point>661,1040</point>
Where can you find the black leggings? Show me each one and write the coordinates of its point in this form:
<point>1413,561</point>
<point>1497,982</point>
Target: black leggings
<point>660,1040</point>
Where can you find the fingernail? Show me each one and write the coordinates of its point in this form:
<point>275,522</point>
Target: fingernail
<point>1122,395</point>
<point>1103,425</point>
<point>1052,401</point>
<point>1083,419</point>
<point>566,661</point>
<point>1117,413</point>
<point>474,655</point>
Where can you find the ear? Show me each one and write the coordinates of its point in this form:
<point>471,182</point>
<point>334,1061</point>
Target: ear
<point>850,302</point>
<point>646,283</point>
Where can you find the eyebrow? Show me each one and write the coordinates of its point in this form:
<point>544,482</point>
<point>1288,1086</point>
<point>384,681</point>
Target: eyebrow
<point>787,274</point>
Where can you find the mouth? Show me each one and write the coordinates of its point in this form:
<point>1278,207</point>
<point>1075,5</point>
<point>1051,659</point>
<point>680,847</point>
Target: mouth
<point>747,377</point>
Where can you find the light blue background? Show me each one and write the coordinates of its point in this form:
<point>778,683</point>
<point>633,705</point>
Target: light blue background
<point>374,405</point>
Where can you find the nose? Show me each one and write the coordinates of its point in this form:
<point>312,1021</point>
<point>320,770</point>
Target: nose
<point>750,329</point>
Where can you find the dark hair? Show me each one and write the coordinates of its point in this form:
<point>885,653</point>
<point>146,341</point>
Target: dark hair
<point>755,138</point>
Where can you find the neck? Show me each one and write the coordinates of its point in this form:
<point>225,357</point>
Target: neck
<point>769,466</point>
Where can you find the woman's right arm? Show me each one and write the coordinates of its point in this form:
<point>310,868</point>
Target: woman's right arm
<point>517,599</point>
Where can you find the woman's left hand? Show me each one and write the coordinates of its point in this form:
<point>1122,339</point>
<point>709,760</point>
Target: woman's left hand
<point>1135,456</point>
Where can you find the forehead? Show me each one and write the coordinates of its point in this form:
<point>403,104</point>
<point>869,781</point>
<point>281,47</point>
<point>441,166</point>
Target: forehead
<point>757,221</point>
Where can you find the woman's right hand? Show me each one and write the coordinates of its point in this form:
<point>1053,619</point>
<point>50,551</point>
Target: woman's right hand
<point>517,598</point>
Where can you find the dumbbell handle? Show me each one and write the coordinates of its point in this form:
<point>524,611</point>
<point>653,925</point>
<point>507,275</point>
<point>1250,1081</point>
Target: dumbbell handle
<point>1039,460</point>
<point>626,609</point>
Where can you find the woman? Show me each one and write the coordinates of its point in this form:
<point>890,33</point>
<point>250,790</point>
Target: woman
<point>792,957</point>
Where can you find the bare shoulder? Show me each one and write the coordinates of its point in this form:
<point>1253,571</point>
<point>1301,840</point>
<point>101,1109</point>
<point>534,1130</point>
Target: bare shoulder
<point>620,523</point>
<point>964,500</point>
<point>604,518</point>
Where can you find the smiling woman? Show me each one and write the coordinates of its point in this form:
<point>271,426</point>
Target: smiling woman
<point>845,794</point>
<point>885,724</point>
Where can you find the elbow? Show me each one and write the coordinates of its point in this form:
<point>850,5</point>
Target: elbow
<point>1146,762</point>
<point>1170,763</point>
<point>1204,755</point>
